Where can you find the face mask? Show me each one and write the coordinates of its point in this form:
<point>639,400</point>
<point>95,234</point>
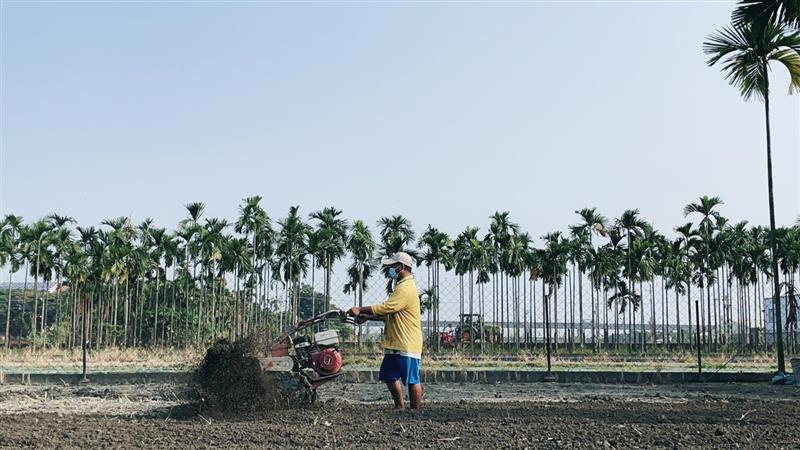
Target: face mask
<point>393,273</point>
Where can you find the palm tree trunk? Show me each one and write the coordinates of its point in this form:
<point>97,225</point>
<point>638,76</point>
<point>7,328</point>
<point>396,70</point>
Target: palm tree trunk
<point>709,331</point>
<point>24,292</point>
<point>480,306</point>
<point>701,320</point>
<point>460,330</point>
<point>154,337</point>
<point>313,296</point>
<point>172,310</point>
<point>553,316</point>
<point>58,297</point>
<point>595,316</point>
<point>142,296</point>
<point>73,323</point>
<point>35,298</point>
<point>114,313</point>
<point>653,312</point>
<point>494,299</point>
<point>98,340</point>
<point>471,311</point>
<point>546,299</point>
<point>438,303</point>
<point>689,308</point>
<point>200,310</point>
<point>524,313</point>
<point>572,283</point>
<point>127,313</point>
<point>361,299</point>
<point>616,321</point>
<point>8,309</point>
<point>533,312</point>
<point>642,321</point>
<point>134,311</point>
<point>501,310</point>
<point>213,318</point>
<point>664,314</point>
<point>328,270</point>
<point>678,317</point>
<point>44,314</point>
<point>580,306</point>
<point>773,248</point>
<point>237,315</point>
<point>606,308</point>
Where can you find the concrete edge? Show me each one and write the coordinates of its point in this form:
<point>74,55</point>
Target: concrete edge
<point>427,376</point>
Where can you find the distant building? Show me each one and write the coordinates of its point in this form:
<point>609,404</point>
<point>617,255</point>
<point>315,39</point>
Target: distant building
<point>50,287</point>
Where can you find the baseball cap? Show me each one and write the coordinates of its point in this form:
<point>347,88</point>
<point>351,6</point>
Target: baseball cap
<point>399,257</point>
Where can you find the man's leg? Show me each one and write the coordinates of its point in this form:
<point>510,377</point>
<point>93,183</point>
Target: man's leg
<point>415,395</point>
<point>396,389</point>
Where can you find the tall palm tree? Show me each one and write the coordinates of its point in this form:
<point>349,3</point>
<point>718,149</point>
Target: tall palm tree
<point>331,243</point>
<point>644,262</point>
<point>501,229</point>
<point>478,259</point>
<point>252,219</point>
<point>192,234</point>
<point>746,53</point>
<point>515,262</point>
<point>361,246</point>
<point>465,264</point>
<point>158,235</point>
<point>77,272</point>
<point>172,254</point>
<point>552,262</point>
<point>10,229</point>
<point>437,249</point>
<point>632,227</point>
<point>264,253</point>
<point>38,238</point>
<point>291,263</point>
<point>316,260</point>
<point>236,259</point>
<point>580,244</point>
<point>676,275</point>
<point>90,243</point>
<point>61,245</point>
<point>708,227</point>
<point>614,261</point>
<point>591,223</point>
<point>118,259</point>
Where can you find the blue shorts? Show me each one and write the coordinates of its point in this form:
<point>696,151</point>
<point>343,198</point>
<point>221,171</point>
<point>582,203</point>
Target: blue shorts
<point>399,367</point>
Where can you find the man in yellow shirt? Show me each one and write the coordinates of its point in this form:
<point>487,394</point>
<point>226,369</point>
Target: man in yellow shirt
<point>402,336</point>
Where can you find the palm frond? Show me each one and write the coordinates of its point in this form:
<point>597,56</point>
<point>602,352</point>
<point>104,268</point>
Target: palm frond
<point>761,12</point>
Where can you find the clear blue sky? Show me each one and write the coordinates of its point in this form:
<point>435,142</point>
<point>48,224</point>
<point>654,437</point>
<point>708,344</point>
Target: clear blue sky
<point>441,112</point>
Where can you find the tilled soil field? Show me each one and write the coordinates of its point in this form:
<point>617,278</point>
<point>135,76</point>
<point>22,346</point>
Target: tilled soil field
<point>455,416</point>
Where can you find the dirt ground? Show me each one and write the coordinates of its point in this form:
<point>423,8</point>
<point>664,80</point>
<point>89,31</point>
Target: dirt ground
<point>454,416</point>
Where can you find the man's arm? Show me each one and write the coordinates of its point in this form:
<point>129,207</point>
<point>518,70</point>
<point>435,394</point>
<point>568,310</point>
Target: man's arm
<point>397,301</point>
<point>356,311</point>
<point>361,318</point>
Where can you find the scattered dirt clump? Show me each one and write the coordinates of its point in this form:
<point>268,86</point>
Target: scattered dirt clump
<point>231,377</point>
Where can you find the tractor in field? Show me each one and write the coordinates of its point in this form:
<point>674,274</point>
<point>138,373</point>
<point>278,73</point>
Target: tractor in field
<point>468,331</point>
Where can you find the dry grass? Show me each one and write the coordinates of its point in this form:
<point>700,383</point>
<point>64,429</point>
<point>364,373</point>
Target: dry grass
<point>599,361</point>
<point>111,359</point>
<point>107,358</point>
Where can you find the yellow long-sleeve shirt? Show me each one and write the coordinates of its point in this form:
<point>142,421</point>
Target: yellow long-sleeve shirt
<point>401,313</point>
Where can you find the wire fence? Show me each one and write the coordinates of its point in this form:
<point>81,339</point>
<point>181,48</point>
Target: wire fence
<point>513,313</point>
<point>504,316</point>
